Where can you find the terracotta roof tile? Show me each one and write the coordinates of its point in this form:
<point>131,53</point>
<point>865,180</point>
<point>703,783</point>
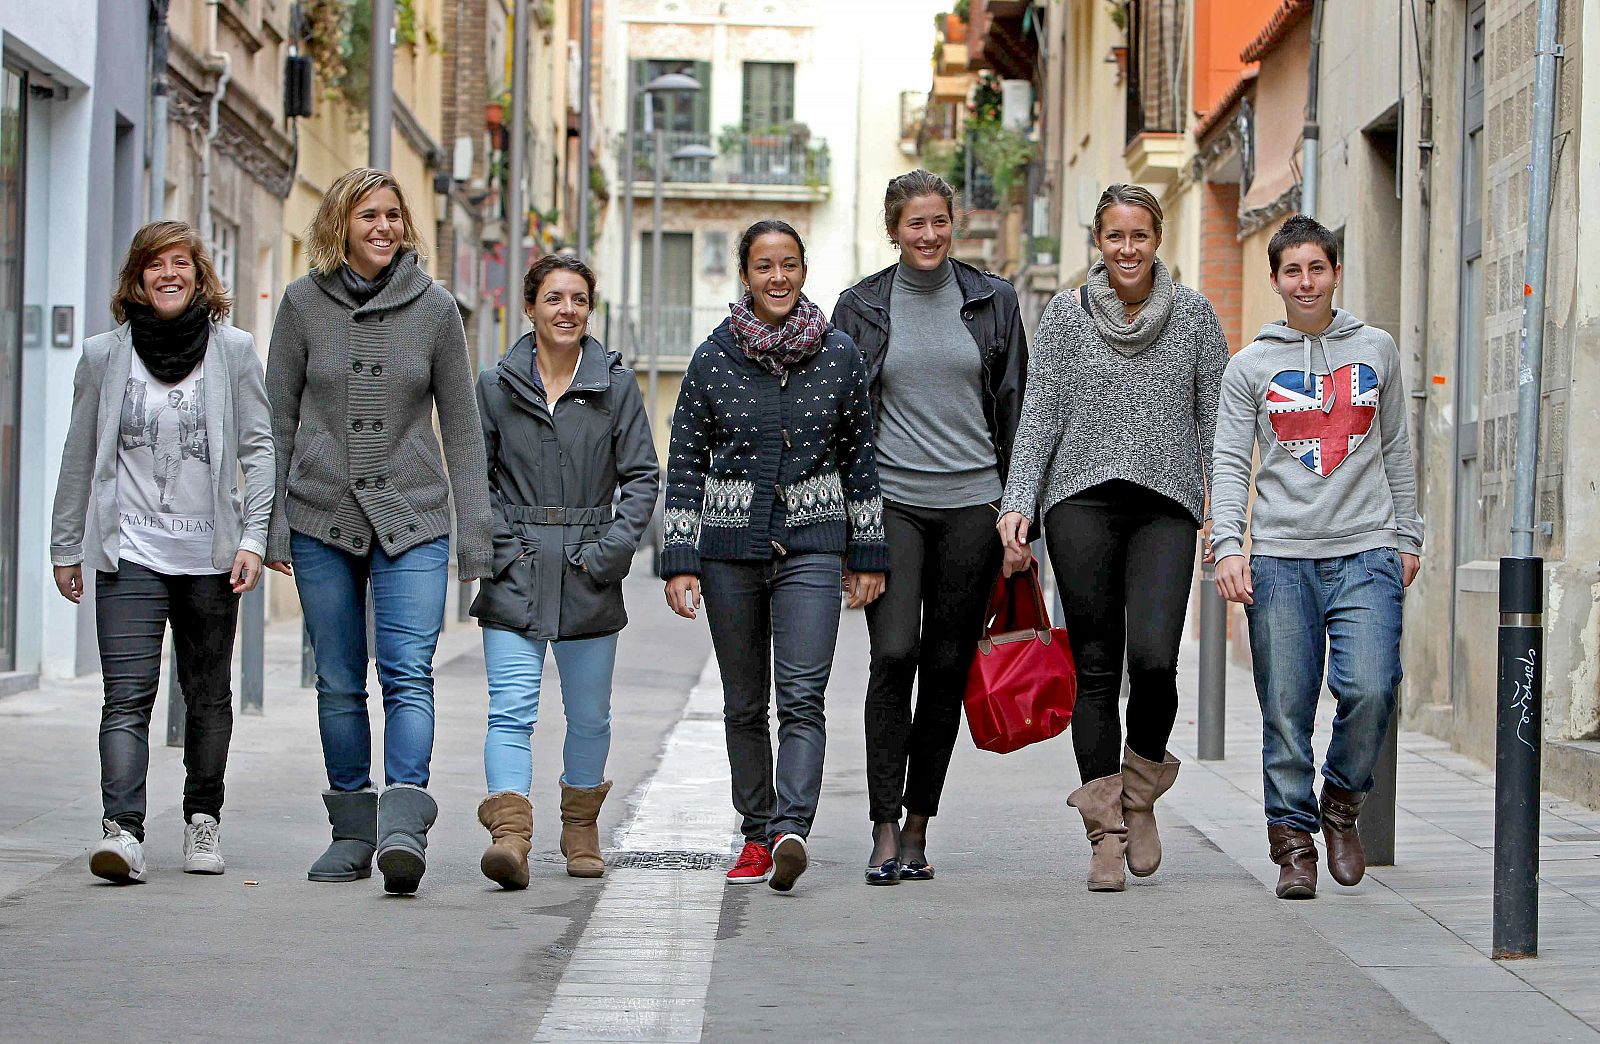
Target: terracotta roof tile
<point>1286,17</point>
<point>1225,104</point>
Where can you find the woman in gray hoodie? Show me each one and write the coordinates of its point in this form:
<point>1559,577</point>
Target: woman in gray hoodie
<point>1122,399</point>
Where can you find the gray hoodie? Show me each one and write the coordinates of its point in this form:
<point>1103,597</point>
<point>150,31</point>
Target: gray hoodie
<point>1328,413</point>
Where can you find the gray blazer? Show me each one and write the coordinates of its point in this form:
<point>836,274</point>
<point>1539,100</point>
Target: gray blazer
<point>85,529</point>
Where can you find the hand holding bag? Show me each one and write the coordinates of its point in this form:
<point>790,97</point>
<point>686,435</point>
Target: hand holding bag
<point>1022,683</point>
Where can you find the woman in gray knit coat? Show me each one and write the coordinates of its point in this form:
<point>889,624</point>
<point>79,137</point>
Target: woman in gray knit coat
<point>1116,424</point>
<point>363,351</point>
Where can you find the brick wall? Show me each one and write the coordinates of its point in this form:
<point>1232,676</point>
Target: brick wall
<point>1222,258</point>
<point>465,86</point>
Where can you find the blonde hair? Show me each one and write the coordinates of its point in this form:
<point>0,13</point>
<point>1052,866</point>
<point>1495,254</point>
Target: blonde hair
<point>1128,195</point>
<point>325,237</point>
<point>148,243</point>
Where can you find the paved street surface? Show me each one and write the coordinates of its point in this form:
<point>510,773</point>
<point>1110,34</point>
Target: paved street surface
<point>1005,945</point>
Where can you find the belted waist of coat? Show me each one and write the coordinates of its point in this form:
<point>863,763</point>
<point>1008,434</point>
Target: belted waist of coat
<point>557,516</point>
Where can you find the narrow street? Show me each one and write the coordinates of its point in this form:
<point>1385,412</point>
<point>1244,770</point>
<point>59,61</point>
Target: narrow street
<point>1006,944</point>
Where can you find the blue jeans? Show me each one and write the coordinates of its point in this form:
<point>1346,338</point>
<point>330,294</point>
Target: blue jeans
<point>408,611</point>
<point>775,621</point>
<point>516,669</point>
<point>1342,611</point>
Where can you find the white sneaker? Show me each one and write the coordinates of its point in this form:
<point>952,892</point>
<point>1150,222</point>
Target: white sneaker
<point>119,857</point>
<point>202,847</point>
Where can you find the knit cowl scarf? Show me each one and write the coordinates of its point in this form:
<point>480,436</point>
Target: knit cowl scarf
<point>1110,315</point>
<point>778,349</point>
<point>171,348</point>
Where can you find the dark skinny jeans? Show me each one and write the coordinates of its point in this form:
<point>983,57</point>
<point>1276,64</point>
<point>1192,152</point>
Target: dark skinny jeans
<point>1123,569</point>
<point>925,629</point>
<point>132,608</point>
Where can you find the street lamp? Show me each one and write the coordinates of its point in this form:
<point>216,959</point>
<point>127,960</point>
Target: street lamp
<point>666,83</point>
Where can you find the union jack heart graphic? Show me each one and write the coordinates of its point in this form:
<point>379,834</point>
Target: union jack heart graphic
<point>1321,425</point>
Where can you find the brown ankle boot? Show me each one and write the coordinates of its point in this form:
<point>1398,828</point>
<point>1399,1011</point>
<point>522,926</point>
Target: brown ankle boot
<point>509,819</point>
<point>1296,856</point>
<point>1099,801</point>
<point>1143,783</point>
<point>1347,863</point>
<point>580,837</point>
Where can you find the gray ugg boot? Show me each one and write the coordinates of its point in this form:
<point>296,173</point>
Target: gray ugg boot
<point>405,812</point>
<point>353,814</point>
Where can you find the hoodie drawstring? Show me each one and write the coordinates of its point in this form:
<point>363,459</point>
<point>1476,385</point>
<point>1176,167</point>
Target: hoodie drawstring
<point>1305,339</point>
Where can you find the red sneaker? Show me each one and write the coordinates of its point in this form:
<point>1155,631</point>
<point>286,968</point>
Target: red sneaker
<point>790,857</point>
<point>754,865</point>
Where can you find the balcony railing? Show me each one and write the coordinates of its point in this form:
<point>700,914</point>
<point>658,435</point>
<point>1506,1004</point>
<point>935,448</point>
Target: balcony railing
<point>680,331</point>
<point>742,159</point>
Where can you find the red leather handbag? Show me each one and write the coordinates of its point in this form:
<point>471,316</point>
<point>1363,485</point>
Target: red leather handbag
<point>1022,683</point>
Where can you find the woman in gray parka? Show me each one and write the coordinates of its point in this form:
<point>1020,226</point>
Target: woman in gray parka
<point>565,428</point>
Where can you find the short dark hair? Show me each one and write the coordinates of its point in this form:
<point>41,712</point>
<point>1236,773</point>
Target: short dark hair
<point>1297,231</point>
<point>763,228</point>
<point>541,269</point>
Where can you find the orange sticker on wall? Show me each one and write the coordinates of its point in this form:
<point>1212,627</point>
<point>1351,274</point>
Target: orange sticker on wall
<point>1438,378</point>
<point>1527,289</point>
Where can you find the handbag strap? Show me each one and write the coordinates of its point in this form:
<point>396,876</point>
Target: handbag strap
<point>1004,598</point>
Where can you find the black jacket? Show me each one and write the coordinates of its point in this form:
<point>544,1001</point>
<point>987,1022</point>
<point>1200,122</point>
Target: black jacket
<point>989,309</point>
<point>560,548</point>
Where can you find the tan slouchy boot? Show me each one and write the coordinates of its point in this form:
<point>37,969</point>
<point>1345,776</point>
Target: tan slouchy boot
<point>580,837</point>
<point>1143,783</point>
<point>509,819</point>
<point>1099,801</point>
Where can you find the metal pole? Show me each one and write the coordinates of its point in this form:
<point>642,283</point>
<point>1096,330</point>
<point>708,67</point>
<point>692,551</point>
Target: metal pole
<point>516,203</point>
<point>252,651</point>
<point>1312,134</point>
<point>626,344</point>
<point>177,708</point>
<point>1376,825</point>
<point>1213,666</point>
<point>1518,737</point>
<point>655,267</point>
<point>464,593</point>
<point>1519,734</point>
<point>308,660</point>
<point>585,73</point>
<point>158,113</point>
<point>380,107</point>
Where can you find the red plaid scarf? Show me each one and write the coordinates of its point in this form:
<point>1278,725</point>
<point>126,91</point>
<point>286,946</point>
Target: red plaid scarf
<point>777,348</point>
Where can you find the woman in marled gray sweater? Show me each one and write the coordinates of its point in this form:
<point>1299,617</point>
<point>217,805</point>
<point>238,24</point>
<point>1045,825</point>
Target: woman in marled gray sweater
<point>1122,396</point>
<point>363,351</point>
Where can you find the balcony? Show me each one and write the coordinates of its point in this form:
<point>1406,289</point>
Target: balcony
<point>788,166</point>
<point>671,342</point>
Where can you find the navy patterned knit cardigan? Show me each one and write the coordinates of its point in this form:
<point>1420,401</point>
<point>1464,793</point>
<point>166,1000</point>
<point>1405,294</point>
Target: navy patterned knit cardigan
<point>757,460</point>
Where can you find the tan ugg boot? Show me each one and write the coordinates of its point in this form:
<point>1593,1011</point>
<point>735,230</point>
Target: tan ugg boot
<point>1099,801</point>
<point>509,819</point>
<point>1143,783</point>
<point>580,837</point>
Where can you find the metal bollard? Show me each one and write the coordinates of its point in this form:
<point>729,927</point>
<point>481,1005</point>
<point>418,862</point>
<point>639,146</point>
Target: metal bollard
<point>308,660</point>
<point>464,592</point>
<point>252,651</point>
<point>1376,825</point>
<point>1519,697</point>
<point>177,709</point>
<point>1212,718</point>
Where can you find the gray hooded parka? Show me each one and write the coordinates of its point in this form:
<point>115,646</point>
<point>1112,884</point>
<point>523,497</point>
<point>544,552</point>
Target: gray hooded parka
<point>560,547</point>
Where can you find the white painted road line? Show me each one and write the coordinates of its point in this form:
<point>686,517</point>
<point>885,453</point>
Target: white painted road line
<point>642,967</point>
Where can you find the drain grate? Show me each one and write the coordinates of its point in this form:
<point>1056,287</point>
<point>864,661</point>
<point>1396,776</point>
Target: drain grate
<point>669,859</point>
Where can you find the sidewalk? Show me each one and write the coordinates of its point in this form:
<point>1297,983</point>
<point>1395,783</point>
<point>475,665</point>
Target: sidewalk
<point>1421,928</point>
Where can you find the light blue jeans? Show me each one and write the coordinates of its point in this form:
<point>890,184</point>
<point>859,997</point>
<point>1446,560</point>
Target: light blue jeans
<point>408,593</point>
<point>516,670</point>
<point>1344,612</point>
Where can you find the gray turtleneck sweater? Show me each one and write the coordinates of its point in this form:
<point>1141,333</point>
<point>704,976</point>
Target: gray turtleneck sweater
<point>933,445</point>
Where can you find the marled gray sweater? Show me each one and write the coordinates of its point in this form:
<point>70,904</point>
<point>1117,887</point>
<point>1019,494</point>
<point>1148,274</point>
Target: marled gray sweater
<point>353,390</point>
<point>1092,414</point>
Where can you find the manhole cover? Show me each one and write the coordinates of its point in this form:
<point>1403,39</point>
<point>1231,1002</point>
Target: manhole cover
<point>669,860</point>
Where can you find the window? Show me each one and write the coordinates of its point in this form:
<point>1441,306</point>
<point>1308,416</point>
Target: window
<point>768,95</point>
<point>676,333</point>
<point>679,112</point>
<point>224,249</point>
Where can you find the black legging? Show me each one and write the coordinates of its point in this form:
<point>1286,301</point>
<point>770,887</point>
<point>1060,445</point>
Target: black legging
<point>1123,567</point>
<point>942,567</point>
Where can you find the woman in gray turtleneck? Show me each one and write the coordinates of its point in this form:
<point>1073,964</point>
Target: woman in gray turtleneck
<point>946,358</point>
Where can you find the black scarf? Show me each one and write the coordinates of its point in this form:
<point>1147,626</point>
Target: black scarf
<point>171,348</point>
<point>364,289</point>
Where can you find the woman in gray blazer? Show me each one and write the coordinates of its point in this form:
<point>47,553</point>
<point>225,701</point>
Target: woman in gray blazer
<point>365,349</point>
<point>167,411</point>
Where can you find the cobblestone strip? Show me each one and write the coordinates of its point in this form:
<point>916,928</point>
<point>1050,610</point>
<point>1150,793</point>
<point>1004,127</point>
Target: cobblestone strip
<point>642,967</point>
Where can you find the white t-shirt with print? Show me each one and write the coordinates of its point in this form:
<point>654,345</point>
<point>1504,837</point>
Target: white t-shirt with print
<point>164,494</point>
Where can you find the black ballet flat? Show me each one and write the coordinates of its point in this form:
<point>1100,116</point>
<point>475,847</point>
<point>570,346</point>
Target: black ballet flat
<point>916,870</point>
<point>885,873</point>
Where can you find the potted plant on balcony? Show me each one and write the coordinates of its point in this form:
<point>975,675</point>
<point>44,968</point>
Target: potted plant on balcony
<point>494,109</point>
<point>954,27</point>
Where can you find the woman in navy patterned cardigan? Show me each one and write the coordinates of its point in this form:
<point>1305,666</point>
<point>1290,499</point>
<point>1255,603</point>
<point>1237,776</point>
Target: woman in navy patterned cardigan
<point>772,503</point>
